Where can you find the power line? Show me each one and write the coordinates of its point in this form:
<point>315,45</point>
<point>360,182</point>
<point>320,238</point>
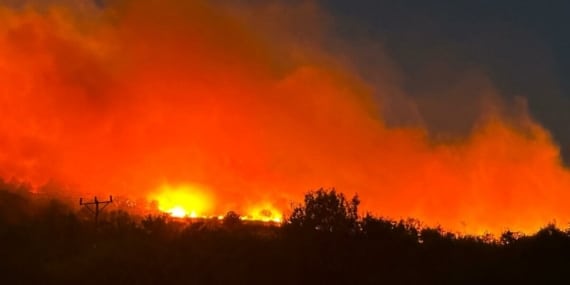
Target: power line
<point>97,208</point>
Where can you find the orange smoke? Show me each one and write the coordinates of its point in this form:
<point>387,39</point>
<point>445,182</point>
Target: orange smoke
<point>129,98</point>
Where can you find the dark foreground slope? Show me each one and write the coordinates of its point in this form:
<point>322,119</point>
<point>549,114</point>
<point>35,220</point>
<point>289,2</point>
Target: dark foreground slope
<point>44,242</point>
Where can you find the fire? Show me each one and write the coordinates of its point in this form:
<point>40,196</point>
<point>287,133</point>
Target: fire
<point>120,98</point>
<point>264,213</point>
<point>183,201</point>
<point>177,212</point>
<point>192,202</point>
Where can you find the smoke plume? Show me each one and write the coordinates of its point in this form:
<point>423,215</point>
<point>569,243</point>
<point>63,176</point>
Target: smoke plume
<point>251,103</point>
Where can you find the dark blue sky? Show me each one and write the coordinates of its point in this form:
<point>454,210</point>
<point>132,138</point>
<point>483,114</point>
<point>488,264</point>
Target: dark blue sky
<point>522,46</point>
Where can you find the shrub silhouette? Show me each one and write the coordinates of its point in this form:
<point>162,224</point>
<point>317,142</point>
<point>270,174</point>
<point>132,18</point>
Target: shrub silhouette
<point>231,219</point>
<point>380,229</point>
<point>326,211</point>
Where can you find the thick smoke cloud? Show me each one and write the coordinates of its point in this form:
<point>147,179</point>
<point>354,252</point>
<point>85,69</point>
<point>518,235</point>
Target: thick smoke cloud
<point>252,102</point>
<point>521,48</point>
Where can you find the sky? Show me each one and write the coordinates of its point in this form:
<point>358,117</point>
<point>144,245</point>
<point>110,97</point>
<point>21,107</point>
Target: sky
<point>521,46</point>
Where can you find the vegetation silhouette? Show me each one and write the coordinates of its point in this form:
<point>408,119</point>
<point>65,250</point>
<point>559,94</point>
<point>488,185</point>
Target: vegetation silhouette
<point>232,219</point>
<point>323,241</point>
<point>326,211</point>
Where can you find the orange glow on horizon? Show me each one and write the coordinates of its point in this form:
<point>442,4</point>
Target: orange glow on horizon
<point>177,212</point>
<point>263,213</point>
<point>190,201</point>
<point>182,201</point>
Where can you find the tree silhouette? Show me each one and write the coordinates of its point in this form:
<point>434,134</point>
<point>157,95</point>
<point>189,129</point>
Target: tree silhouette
<point>46,242</point>
<point>326,211</point>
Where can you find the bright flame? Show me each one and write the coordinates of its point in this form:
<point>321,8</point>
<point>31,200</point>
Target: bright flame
<point>192,202</point>
<point>177,212</point>
<point>182,201</point>
<point>264,213</point>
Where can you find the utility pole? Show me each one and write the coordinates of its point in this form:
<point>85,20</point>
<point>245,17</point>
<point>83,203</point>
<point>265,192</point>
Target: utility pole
<point>98,208</point>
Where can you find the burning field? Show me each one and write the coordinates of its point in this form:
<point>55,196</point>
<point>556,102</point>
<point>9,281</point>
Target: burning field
<point>211,106</point>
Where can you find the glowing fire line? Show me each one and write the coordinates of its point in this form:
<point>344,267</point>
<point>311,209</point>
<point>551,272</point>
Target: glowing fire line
<point>189,201</point>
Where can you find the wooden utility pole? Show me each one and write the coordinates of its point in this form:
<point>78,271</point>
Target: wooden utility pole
<point>98,208</point>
